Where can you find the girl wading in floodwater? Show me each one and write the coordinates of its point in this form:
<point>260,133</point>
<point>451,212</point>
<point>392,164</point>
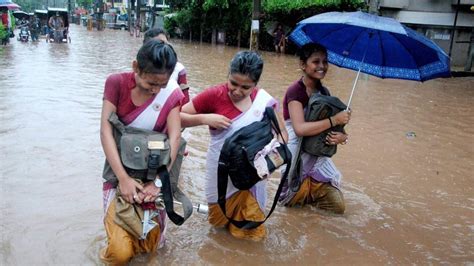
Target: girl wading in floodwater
<point>320,180</point>
<point>141,99</point>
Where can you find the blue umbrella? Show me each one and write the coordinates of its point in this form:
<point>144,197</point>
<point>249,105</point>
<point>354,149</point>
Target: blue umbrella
<point>375,45</point>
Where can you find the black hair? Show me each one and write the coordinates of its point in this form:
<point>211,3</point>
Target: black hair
<point>308,49</point>
<point>152,33</point>
<point>156,57</point>
<point>247,63</point>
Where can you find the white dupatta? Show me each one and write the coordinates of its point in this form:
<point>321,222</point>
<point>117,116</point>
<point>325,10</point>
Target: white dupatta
<point>148,117</point>
<point>218,137</point>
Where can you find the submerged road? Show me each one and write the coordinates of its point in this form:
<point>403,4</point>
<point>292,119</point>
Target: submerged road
<point>408,169</point>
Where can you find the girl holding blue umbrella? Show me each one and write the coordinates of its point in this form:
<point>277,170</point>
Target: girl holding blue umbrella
<point>319,180</point>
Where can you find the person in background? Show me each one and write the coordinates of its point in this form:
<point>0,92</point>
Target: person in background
<point>318,188</point>
<point>4,30</point>
<point>35,28</point>
<point>23,22</point>
<point>279,39</point>
<point>56,22</point>
<point>179,73</point>
<point>4,16</point>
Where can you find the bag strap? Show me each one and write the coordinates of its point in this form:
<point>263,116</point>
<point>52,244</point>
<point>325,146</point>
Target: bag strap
<point>167,192</point>
<point>270,113</point>
<point>223,179</point>
<point>174,172</point>
<point>168,196</point>
<point>115,121</point>
<point>170,188</point>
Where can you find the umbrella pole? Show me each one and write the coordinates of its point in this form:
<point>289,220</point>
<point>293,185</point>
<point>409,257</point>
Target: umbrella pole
<point>358,73</point>
<point>353,89</point>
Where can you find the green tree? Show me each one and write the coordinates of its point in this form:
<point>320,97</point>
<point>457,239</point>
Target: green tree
<point>84,3</point>
<point>3,32</point>
<point>291,11</point>
<point>26,5</point>
<point>203,18</point>
<point>31,5</point>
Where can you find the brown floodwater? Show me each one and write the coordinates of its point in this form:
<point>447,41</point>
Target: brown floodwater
<point>408,169</point>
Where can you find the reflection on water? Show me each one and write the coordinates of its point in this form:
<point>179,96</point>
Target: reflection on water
<point>409,198</point>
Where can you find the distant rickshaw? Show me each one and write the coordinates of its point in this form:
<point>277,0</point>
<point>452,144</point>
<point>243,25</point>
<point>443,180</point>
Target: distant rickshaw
<point>42,15</point>
<point>58,25</point>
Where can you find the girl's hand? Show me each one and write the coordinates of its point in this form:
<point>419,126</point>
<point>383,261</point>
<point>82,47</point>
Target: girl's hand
<point>129,189</point>
<point>334,138</point>
<point>149,193</point>
<point>217,121</point>
<point>341,118</point>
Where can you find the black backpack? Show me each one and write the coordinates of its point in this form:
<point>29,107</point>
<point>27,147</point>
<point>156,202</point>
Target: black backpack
<point>237,156</point>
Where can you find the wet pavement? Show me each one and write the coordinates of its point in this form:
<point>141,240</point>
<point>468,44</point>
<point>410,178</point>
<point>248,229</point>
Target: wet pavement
<point>407,182</point>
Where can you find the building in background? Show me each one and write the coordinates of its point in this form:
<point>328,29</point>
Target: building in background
<point>435,19</point>
<point>146,11</point>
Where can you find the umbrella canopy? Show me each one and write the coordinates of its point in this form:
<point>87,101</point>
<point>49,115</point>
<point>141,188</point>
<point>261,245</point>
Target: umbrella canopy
<point>375,45</point>
<point>20,14</point>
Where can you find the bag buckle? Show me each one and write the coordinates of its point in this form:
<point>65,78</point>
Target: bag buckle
<point>153,161</point>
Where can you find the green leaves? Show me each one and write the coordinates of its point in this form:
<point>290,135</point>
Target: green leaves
<point>31,5</point>
<point>84,3</point>
<point>201,18</point>
<point>219,4</point>
<point>288,6</point>
<point>3,32</point>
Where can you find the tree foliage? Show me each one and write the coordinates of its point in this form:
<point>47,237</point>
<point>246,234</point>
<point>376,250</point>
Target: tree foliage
<point>234,16</point>
<point>3,32</point>
<point>31,5</point>
<point>219,4</point>
<point>27,5</point>
<point>289,12</point>
<point>84,3</point>
<point>289,6</point>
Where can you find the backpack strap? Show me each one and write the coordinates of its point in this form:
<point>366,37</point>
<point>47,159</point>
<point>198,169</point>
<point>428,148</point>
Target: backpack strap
<point>270,113</point>
<point>223,178</point>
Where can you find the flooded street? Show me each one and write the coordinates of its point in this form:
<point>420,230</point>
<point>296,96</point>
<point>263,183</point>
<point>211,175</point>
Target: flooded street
<point>408,168</point>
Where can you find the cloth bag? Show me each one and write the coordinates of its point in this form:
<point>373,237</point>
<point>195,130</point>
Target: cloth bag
<point>133,218</point>
<point>321,107</point>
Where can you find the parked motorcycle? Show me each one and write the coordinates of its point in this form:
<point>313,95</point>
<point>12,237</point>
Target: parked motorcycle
<point>24,34</point>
